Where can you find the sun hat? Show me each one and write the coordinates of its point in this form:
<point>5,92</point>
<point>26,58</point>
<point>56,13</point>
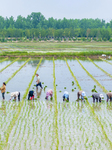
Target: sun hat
<point>83,93</point>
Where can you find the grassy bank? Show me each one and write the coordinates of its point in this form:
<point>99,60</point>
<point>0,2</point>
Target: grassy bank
<point>54,54</point>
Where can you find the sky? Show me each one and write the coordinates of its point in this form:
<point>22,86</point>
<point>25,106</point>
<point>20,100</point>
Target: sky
<point>58,9</point>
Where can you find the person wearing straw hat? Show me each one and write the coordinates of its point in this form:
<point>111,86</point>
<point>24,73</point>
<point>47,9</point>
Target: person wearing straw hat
<point>97,96</point>
<point>66,96</point>
<point>81,94</point>
<point>109,96</point>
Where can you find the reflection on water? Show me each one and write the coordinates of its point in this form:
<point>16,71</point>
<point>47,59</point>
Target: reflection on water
<point>38,92</point>
<point>31,104</point>
<point>80,105</point>
<point>3,107</point>
<point>109,105</point>
<point>49,104</point>
<point>96,106</point>
<point>65,105</point>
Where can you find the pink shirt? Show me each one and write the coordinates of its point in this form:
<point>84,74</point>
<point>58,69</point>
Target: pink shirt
<point>49,92</point>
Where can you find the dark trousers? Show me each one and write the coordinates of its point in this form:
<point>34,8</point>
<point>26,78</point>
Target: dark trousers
<point>3,95</point>
<point>96,99</point>
<point>39,84</point>
<point>31,94</point>
<point>18,97</point>
<point>64,98</point>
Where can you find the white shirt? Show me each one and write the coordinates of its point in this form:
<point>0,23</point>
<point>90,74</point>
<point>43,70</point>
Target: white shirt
<point>38,79</point>
<point>14,94</point>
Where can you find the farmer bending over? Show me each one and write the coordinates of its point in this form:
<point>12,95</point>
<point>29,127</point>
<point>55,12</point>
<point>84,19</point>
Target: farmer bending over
<point>109,96</point>
<point>15,95</point>
<point>81,94</point>
<point>3,89</point>
<point>31,95</point>
<point>38,81</point>
<point>49,93</point>
<point>66,96</point>
<point>97,96</point>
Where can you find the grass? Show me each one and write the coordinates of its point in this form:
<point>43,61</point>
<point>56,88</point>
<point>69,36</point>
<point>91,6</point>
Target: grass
<point>51,54</point>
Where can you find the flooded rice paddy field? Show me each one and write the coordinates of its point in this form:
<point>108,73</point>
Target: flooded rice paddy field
<point>55,124</point>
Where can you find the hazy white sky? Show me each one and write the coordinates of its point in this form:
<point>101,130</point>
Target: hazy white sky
<point>58,8</point>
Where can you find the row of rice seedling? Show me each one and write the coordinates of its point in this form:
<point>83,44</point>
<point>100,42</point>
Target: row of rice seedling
<point>73,75</point>
<point>9,65</point>
<point>92,110</point>
<point>34,128</point>
<point>106,61</point>
<point>55,109</point>
<point>103,88</point>
<point>20,105</point>
<point>3,60</point>
<point>17,71</point>
<point>13,113</point>
<point>100,68</point>
<point>78,128</point>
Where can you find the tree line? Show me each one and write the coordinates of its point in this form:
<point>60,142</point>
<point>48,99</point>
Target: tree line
<point>37,20</point>
<point>100,33</point>
<point>36,26</point>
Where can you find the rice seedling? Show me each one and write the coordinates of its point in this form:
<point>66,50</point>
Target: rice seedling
<point>64,87</point>
<point>17,71</point>
<point>105,61</point>
<point>91,109</point>
<point>3,60</point>
<point>103,88</point>
<point>21,103</point>
<point>73,83</point>
<point>55,108</point>
<point>73,75</point>
<point>72,90</point>
<point>100,68</point>
<point>9,65</point>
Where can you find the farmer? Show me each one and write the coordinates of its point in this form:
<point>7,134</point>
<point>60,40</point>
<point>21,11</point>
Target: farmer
<point>3,89</point>
<point>66,96</point>
<point>109,96</point>
<point>31,95</point>
<point>82,94</point>
<point>15,95</point>
<point>38,81</point>
<point>49,93</point>
<point>97,96</point>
